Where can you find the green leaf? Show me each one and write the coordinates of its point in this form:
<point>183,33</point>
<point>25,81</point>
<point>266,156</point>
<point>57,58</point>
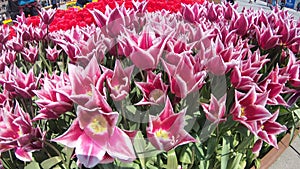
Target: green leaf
<point>131,109</point>
<point>225,153</point>
<point>51,162</point>
<point>172,160</point>
<point>211,147</point>
<point>186,155</point>
<point>69,152</point>
<point>257,163</point>
<point>124,165</point>
<point>236,162</point>
<point>32,165</point>
<point>204,164</point>
<point>140,147</point>
<point>199,151</point>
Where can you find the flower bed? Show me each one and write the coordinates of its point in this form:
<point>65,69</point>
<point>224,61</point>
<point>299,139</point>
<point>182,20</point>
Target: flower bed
<point>143,87</point>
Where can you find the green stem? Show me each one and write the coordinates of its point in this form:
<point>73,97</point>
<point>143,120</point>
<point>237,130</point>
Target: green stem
<point>158,161</point>
<point>57,152</point>
<point>46,63</point>
<point>11,159</point>
<point>124,115</point>
<point>5,164</point>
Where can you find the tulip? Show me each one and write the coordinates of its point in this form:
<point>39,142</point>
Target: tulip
<point>249,108</point>
<point>245,76</point>
<point>166,131</point>
<point>230,12</point>
<point>47,16</point>
<point>16,82</point>
<point>118,81</point>
<point>112,23</point>
<point>94,47</point>
<point>4,34</point>
<point>266,37</point>
<point>39,34</point>
<point>54,97</point>
<point>18,133</point>
<point>10,57</point>
<point>293,70</point>
<point>139,7</point>
<point>274,84</point>
<point>212,14</point>
<point>96,138</point>
<point>24,84</point>
<point>72,50</point>
<point>7,80</point>
<point>216,110</point>
<point>267,130</point>
<point>16,44</point>
<point>154,89</point>
<point>257,147</point>
<point>146,52</point>
<point>87,84</point>
<point>188,13</point>
<point>52,53</point>
<point>241,25</point>
<point>185,77</point>
<point>30,54</point>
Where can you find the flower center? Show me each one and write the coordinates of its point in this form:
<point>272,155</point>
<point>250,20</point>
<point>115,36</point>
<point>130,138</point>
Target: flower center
<point>162,134</point>
<point>156,94</point>
<point>89,93</point>
<point>117,87</point>
<point>20,133</point>
<point>243,114</point>
<point>98,125</point>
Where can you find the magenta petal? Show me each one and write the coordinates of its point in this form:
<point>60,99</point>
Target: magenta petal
<point>216,65</point>
<point>120,146</point>
<point>235,76</point>
<point>107,159</point>
<point>174,122</point>
<point>274,128</point>
<point>97,101</point>
<point>186,138</point>
<point>264,135</point>
<point>257,146</point>
<point>249,98</point>
<point>254,113</point>
<point>168,110</point>
<point>142,59</point>
<point>70,137</point>
<point>23,155</point>
<point>88,153</point>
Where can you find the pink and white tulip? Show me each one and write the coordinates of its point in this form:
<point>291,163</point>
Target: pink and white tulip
<point>166,131</point>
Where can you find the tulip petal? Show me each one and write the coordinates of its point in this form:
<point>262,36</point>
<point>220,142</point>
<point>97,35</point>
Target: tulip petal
<point>23,155</point>
<point>120,146</point>
<point>70,137</point>
<point>88,153</point>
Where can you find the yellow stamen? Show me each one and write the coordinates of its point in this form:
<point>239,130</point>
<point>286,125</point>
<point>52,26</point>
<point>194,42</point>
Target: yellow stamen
<point>89,93</point>
<point>243,112</point>
<point>117,87</point>
<point>20,133</point>
<point>163,134</point>
<point>98,125</point>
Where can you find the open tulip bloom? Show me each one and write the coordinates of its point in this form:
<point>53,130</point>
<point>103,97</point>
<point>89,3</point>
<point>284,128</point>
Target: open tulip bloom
<point>147,84</point>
